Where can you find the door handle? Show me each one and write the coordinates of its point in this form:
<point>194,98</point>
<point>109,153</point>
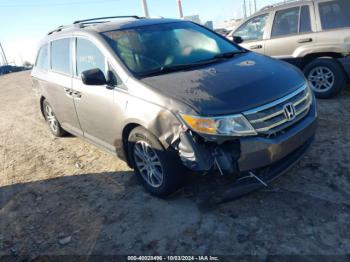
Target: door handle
<point>69,92</point>
<point>256,47</point>
<point>305,40</point>
<point>76,94</point>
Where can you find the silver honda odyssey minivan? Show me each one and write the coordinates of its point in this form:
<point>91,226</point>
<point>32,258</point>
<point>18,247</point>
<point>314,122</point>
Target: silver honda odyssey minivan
<point>171,96</point>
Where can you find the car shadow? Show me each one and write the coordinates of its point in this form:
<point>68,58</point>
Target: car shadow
<point>110,213</point>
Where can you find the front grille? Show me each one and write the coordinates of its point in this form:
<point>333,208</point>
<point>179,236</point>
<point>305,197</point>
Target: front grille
<point>270,118</point>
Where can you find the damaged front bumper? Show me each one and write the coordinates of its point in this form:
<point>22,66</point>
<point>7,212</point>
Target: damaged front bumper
<point>245,154</point>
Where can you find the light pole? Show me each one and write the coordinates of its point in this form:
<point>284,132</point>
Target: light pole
<point>145,8</point>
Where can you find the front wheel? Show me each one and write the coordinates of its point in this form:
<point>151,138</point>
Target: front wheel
<point>326,77</point>
<point>54,125</point>
<point>160,170</point>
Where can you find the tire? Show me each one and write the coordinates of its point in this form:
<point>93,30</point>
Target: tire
<point>53,123</point>
<point>167,176</point>
<point>326,77</point>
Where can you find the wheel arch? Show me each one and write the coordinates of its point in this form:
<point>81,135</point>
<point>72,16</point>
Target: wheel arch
<point>307,59</point>
<point>125,135</point>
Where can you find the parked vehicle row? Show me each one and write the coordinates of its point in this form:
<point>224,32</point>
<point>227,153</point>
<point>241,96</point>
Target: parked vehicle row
<point>6,69</point>
<point>169,96</point>
<point>312,34</point>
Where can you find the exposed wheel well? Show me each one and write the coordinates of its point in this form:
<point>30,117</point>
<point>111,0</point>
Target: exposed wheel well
<point>126,132</point>
<point>308,58</point>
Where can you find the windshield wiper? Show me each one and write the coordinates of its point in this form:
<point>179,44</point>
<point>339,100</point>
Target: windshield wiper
<point>173,68</point>
<point>229,54</point>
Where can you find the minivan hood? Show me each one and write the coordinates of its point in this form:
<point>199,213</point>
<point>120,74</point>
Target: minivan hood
<point>239,84</point>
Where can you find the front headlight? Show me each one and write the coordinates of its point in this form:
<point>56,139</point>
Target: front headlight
<point>234,125</point>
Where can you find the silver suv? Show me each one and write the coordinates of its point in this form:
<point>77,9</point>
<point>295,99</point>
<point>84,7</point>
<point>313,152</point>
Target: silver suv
<point>170,95</point>
<point>313,35</point>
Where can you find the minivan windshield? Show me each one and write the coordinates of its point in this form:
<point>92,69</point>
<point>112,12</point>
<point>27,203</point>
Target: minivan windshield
<point>168,47</point>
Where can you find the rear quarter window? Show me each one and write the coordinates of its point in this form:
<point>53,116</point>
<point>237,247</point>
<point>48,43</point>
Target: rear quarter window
<point>305,20</point>
<point>335,14</point>
<point>61,56</point>
<point>42,61</point>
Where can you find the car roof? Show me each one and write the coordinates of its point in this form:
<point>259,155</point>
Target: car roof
<point>285,4</point>
<point>131,23</point>
<point>99,25</point>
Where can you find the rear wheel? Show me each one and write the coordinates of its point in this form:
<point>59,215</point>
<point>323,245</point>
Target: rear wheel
<point>326,77</point>
<point>160,170</point>
<point>54,125</point>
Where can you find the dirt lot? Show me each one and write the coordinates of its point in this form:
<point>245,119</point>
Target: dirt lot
<point>64,196</point>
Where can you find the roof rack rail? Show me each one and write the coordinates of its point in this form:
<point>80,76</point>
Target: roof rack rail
<point>107,17</point>
<point>86,22</point>
<point>60,28</point>
<point>278,4</point>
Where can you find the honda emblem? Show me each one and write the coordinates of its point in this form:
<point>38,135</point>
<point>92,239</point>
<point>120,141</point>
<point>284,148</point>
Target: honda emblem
<point>289,111</point>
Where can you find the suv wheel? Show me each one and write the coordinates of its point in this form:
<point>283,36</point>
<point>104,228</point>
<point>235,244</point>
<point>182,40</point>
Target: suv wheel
<point>55,126</point>
<point>160,170</point>
<point>326,77</point>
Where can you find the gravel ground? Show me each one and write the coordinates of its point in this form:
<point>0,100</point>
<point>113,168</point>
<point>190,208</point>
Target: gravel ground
<point>64,196</point>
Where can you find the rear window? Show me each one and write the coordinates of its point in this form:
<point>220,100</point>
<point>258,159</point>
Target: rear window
<point>335,14</point>
<point>60,56</point>
<point>42,61</point>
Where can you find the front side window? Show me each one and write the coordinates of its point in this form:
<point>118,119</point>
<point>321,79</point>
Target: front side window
<point>61,56</point>
<point>42,61</point>
<point>154,47</point>
<point>335,14</point>
<point>254,29</point>
<point>286,22</point>
<point>89,57</point>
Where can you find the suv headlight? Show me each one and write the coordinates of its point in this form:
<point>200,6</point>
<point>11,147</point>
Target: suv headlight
<point>234,125</point>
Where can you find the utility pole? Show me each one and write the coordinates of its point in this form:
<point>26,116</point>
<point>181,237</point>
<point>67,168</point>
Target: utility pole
<point>250,8</point>
<point>254,6</point>
<point>3,56</point>
<point>179,5</point>
<point>145,8</point>
<point>244,9</point>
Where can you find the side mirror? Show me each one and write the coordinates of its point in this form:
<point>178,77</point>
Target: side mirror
<point>238,39</point>
<point>93,77</point>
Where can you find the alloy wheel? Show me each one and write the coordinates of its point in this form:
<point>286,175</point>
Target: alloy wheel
<point>321,79</point>
<point>148,164</point>
<point>51,119</point>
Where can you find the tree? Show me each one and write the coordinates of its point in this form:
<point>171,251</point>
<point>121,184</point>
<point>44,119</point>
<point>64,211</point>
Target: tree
<point>27,64</point>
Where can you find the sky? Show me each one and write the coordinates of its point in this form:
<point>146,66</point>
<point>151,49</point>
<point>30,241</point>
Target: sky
<point>24,22</point>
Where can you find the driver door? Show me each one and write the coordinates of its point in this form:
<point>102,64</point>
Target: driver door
<point>94,104</point>
<point>253,33</point>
